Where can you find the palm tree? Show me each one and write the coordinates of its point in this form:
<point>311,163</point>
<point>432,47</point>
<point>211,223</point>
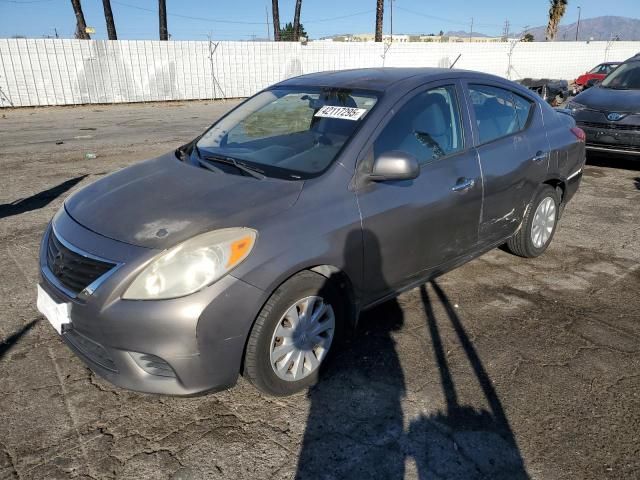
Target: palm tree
<point>81,25</point>
<point>108,16</point>
<point>296,21</point>
<point>557,9</point>
<point>276,20</point>
<point>162,16</point>
<point>379,15</point>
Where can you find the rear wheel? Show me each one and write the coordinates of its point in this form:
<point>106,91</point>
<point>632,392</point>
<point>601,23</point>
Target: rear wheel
<point>294,334</point>
<point>538,225</point>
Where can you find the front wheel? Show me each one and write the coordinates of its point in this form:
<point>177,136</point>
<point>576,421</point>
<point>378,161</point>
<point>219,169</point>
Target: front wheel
<point>293,335</point>
<point>538,225</point>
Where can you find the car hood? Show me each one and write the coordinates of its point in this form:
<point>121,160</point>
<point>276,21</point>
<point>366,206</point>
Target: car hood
<point>161,202</point>
<point>610,100</point>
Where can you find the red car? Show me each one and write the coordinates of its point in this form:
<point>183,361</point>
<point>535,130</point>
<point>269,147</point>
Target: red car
<point>597,73</point>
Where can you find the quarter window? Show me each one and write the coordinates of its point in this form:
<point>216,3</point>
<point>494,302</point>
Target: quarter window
<point>427,126</point>
<point>499,112</point>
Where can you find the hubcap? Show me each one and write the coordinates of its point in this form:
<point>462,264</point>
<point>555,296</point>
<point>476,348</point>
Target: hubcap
<point>543,221</point>
<point>302,338</point>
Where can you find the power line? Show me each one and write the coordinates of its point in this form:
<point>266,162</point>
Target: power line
<point>188,17</point>
<point>446,20</point>
<point>218,20</point>
<point>342,16</point>
<point>24,2</point>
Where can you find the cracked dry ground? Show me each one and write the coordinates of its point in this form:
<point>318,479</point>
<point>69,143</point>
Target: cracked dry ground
<point>504,368</point>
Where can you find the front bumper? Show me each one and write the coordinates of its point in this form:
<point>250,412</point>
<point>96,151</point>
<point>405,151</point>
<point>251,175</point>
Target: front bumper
<point>195,343</point>
<point>611,137</point>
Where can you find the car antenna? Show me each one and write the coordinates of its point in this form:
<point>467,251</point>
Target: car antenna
<point>455,61</point>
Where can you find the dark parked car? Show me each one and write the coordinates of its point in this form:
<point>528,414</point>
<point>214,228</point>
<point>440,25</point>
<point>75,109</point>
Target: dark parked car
<point>554,92</point>
<point>609,113</point>
<point>254,248</point>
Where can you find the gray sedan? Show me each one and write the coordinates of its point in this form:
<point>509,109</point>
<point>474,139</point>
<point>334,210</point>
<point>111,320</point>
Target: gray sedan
<point>253,249</point>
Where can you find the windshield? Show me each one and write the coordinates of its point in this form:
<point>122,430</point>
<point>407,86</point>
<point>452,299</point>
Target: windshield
<point>291,133</point>
<point>625,77</point>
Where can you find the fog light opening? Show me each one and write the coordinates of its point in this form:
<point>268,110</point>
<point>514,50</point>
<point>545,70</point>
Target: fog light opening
<point>153,365</point>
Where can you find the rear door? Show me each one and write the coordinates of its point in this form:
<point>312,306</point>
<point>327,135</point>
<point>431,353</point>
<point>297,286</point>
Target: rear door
<point>411,227</point>
<point>513,148</point>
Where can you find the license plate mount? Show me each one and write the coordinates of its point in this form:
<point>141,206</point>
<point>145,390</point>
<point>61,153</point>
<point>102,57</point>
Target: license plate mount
<point>58,314</point>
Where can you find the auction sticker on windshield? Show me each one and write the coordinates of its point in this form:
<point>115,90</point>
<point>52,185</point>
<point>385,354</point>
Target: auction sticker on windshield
<point>344,113</point>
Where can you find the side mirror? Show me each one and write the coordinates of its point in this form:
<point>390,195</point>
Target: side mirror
<point>395,165</point>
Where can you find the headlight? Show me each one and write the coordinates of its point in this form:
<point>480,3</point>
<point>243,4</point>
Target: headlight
<point>192,265</point>
<point>575,107</point>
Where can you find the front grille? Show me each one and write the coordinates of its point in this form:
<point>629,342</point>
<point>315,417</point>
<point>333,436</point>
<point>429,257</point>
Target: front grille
<point>609,126</point>
<point>73,270</point>
<point>89,349</point>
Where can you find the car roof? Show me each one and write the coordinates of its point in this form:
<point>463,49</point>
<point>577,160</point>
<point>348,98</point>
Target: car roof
<point>378,79</point>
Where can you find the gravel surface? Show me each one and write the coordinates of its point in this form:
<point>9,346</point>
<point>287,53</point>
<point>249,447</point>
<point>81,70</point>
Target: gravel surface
<point>503,368</point>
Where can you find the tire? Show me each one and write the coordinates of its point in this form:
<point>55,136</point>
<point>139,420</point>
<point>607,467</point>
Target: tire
<point>300,291</point>
<point>522,243</point>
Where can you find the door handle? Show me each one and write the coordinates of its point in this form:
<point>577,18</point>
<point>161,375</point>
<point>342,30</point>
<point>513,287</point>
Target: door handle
<point>463,185</point>
<point>540,156</point>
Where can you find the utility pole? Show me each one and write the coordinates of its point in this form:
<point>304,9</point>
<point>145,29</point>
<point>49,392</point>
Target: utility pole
<point>162,17</point>
<point>81,25</point>
<point>266,12</point>
<point>505,32</point>
<point>108,16</point>
<point>471,30</point>
<point>578,26</point>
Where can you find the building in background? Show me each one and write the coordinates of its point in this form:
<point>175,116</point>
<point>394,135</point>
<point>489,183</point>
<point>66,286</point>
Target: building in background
<point>403,38</point>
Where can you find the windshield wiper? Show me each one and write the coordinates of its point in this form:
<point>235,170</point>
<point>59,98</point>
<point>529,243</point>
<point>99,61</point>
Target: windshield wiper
<point>208,165</point>
<point>255,173</point>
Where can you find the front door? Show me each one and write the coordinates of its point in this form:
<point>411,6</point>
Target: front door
<point>411,227</point>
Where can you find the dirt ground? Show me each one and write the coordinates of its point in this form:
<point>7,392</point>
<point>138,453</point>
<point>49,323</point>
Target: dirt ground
<point>504,368</point>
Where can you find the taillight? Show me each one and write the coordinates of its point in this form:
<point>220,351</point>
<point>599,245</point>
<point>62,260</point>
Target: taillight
<point>579,133</point>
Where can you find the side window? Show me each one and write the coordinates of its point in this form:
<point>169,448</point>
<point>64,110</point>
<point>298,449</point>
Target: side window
<point>499,112</point>
<point>427,126</point>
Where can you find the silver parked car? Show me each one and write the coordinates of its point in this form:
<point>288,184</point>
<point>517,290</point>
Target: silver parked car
<point>253,249</point>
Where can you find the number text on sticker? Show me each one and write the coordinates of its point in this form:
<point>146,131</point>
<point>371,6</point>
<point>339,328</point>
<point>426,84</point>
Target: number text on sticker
<point>344,113</point>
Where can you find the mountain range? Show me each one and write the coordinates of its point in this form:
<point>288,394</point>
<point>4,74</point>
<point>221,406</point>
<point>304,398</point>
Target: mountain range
<point>597,28</point>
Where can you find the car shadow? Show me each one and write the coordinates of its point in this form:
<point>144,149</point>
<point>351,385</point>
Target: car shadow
<point>636,182</point>
<point>39,200</point>
<point>9,342</point>
<point>356,427</point>
<point>355,422</point>
<point>462,441</point>
<point>612,160</point>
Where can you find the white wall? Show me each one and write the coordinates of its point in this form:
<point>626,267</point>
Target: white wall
<point>68,72</point>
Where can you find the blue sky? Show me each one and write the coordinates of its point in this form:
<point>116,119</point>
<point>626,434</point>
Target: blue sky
<point>242,19</point>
